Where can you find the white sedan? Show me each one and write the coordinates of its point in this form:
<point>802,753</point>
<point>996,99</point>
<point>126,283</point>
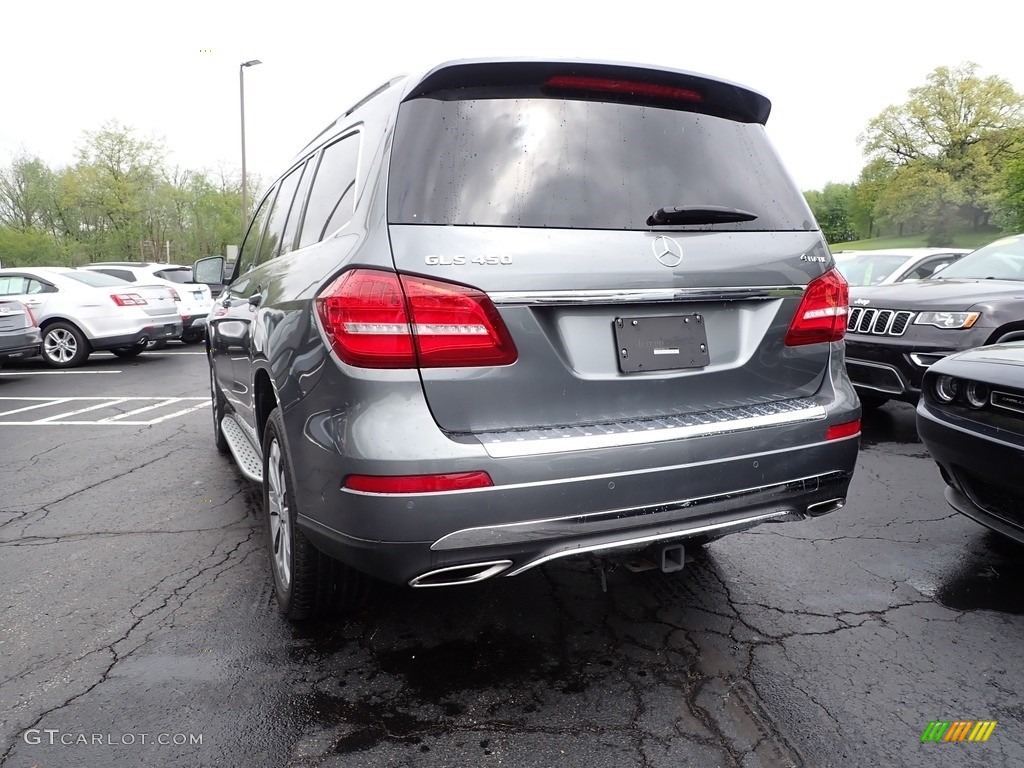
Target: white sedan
<point>894,265</point>
<point>81,312</point>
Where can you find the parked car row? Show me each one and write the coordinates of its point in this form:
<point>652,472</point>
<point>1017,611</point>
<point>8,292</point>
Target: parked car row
<point>84,310</point>
<point>952,343</point>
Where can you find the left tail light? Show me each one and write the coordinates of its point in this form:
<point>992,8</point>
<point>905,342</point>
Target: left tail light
<point>128,299</point>
<point>378,319</point>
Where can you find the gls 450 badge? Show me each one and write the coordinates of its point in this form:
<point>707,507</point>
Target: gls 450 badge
<point>436,260</point>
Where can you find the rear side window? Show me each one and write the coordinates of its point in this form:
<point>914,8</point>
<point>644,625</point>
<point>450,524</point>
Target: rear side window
<point>251,244</point>
<point>273,244</point>
<point>544,162</point>
<point>332,199</point>
<point>95,279</point>
<point>122,274</point>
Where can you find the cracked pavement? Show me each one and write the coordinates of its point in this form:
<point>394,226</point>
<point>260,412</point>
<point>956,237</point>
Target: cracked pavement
<point>137,601</point>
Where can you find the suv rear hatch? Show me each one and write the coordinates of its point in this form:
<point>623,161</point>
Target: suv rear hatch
<point>644,248</point>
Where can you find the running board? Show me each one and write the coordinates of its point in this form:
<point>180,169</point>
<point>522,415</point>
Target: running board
<point>249,462</point>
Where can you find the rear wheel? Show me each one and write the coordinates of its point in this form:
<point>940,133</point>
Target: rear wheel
<point>64,346</point>
<point>133,351</point>
<point>308,583</point>
<point>193,338</point>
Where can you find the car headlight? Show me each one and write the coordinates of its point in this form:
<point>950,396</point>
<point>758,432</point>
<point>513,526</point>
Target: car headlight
<point>946,389</point>
<point>956,320</point>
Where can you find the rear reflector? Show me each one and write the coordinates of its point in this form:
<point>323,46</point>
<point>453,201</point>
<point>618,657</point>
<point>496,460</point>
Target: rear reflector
<point>837,431</point>
<point>458,481</point>
<point>377,319</point>
<point>821,315</point>
<point>128,299</point>
<point>625,87</point>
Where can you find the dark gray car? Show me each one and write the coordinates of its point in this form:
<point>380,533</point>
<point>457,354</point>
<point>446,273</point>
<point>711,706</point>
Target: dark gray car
<point>511,311</point>
<point>19,333</point>
<point>896,332</point>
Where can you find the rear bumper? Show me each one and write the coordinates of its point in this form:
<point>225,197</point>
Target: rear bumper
<point>20,350</point>
<point>549,505</point>
<point>464,548</point>
<point>148,333</point>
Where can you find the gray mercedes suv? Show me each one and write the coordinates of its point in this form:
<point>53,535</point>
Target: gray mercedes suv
<point>505,312</point>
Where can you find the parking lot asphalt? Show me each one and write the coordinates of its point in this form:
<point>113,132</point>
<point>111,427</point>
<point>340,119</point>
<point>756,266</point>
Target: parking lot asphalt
<point>138,625</point>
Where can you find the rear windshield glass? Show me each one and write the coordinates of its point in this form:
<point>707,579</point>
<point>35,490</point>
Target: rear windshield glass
<point>1001,260</point>
<point>182,275</point>
<point>536,162</point>
<point>95,279</point>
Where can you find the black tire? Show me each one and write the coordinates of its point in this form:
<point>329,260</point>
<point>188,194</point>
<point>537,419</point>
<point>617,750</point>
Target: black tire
<point>64,346</point>
<point>308,583</point>
<point>192,338</point>
<point>133,351</point>
<point>870,401</point>
<point>218,403</point>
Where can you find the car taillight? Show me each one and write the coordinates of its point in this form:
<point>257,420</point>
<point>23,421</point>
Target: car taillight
<point>839,431</point>
<point>630,87</point>
<point>174,294</point>
<point>377,319</point>
<point>128,299</point>
<point>455,481</point>
<point>31,318</point>
<point>821,315</point>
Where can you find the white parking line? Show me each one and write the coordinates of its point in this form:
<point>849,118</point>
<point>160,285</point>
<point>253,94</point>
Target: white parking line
<point>126,414</point>
<point>53,373</point>
<point>56,401</point>
<point>96,407</point>
<point>65,418</point>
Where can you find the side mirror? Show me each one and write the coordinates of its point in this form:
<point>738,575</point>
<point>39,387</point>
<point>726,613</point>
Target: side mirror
<point>209,271</point>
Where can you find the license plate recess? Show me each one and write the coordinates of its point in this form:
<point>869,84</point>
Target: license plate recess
<point>664,343</point>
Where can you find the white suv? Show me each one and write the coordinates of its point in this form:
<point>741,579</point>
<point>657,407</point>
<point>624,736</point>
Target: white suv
<point>193,299</point>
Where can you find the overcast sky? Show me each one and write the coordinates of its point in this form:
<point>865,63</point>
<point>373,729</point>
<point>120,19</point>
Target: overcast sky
<point>170,70</point>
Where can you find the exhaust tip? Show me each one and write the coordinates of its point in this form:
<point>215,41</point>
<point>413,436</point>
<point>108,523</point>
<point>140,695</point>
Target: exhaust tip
<point>824,507</point>
<point>460,574</point>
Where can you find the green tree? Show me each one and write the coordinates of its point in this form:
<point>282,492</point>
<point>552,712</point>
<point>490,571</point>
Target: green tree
<point>28,248</point>
<point>1010,206</point>
<point>26,193</point>
<point>831,207</point>
<point>958,130</point>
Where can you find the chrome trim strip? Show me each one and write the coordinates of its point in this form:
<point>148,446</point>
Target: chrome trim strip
<point>517,447</point>
<point>573,549</point>
<point>583,524</point>
<point>713,462</point>
<point>492,568</point>
<point>644,295</point>
<point>918,358</point>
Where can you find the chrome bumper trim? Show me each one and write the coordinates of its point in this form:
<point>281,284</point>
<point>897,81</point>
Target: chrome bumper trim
<point>501,445</point>
<point>609,522</point>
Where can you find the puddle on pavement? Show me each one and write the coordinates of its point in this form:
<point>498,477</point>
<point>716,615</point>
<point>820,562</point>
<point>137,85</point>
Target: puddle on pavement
<point>986,578</point>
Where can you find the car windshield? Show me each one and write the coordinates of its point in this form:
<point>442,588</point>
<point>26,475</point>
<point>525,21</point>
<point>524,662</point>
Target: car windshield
<point>95,279</point>
<point>868,268</point>
<point>1001,260</point>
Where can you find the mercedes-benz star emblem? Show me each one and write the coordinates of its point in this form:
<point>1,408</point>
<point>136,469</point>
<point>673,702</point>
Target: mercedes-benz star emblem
<point>667,251</point>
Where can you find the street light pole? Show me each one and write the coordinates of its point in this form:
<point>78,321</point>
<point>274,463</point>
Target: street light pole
<point>241,100</point>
